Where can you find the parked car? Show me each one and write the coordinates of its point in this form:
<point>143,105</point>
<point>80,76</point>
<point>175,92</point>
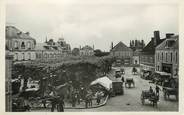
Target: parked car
<point>118,73</point>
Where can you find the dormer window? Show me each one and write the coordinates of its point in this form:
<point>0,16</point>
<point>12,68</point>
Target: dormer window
<point>16,44</point>
<point>23,45</point>
<point>29,45</point>
<point>170,43</point>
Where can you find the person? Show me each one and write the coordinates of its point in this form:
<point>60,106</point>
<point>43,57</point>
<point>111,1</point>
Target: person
<point>44,103</point>
<point>151,90</point>
<point>122,79</point>
<point>73,99</point>
<point>53,103</point>
<point>86,101</point>
<point>61,104</point>
<point>157,90</point>
<point>98,98</point>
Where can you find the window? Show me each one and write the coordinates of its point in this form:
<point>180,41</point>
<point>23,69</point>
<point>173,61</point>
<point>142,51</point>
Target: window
<point>158,57</point>
<point>29,56</point>
<point>23,56</point>
<point>176,57</point>
<point>158,68</point>
<point>171,56</point>
<point>16,56</point>
<point>166,57</point>
<point>29,45</point>
<point>16,44</point>
<point>23,45</point>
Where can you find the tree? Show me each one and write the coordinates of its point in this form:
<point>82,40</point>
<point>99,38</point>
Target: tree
<point>75,51</point>
<point>99,53</point>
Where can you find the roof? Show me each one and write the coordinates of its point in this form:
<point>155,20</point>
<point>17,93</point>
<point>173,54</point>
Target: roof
<point>163,73</point>
<point>104,81</point>
<point>87,47</point>
<point>13,32</point>
<point>45,46</point>
<point>121,47</point>
<point>150,48</point>
<point>163,45</point>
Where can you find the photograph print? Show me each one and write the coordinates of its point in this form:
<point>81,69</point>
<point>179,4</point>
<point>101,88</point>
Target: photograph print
<point>91,56</point>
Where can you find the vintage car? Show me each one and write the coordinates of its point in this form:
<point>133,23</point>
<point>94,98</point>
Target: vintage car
<point>129,82</point>
<point>118,73</point>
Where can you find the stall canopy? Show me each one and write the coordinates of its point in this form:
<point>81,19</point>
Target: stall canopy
<point>163,73</point>
<point>104,81</point>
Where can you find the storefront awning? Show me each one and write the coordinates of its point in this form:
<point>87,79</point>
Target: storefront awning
<point>163,73</point>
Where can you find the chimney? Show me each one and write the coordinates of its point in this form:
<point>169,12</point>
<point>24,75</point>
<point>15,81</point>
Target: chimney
<point>169,35</point>
<point>93,47</point>
<point>154,40</point>
<point>19,33</point>
<point>27,33</point>
<point>157,35</point>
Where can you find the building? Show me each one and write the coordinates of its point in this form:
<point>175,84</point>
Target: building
<point>147,58</point>
<point>86,51</point>
<point>48,50</point>
<point>136,46</point>
<point>167,55</point>
<point>136,57</point>
<point>21,44</point>
<point>65,46</point>
<point>122,53</point>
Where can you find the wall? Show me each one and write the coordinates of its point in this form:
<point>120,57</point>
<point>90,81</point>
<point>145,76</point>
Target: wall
<point>8,76</point>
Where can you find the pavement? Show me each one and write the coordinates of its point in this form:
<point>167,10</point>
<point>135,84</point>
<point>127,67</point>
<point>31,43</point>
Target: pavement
<point>130,101</point>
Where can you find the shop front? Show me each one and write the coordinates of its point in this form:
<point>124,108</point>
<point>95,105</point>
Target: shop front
<point>167,68</point>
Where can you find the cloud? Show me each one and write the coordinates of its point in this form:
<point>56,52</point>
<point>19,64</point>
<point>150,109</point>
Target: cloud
<point>92,23</point>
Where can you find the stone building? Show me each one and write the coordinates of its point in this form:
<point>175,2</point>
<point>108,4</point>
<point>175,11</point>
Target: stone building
<point>86,51</point>
<point>65,46</point>
<point>48,50</point>
<point>136,46</point>
<point>122,53</point>
<point>147,58</point>
<point>167,55</point>
<point>21,44</point>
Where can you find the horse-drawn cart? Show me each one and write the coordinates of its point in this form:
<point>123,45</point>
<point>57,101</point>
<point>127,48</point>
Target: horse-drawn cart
<point>129,82</point>
<point>170,91</point>
<point>147,95</point>
<point>170,88</point>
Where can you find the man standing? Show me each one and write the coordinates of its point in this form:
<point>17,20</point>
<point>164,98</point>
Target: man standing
<point>157,90</point>
<point>61,104</point>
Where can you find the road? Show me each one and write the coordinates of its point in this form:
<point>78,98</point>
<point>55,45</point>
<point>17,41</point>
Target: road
<point>130,101</point>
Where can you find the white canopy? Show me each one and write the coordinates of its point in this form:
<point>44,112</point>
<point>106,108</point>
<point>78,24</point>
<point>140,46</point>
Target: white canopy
<point>163,73</point>
<point>104,81</point>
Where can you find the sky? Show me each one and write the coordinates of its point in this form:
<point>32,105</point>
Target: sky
<point>93,23</point>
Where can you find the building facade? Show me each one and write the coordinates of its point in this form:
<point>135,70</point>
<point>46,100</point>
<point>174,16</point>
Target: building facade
<point>167,55</point>
<point>86,51</point>
<point>136,46</point>
<point>48,50</point>
<point>65,46</point>
<point>147,58</point>
<point>122,53</point>
<point>22,45</point>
